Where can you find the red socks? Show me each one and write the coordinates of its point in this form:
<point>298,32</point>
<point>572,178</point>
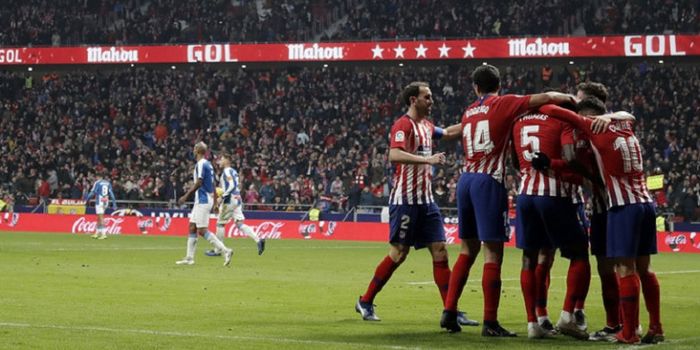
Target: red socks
<point>491,285</point>
<point>458,278</point>
<point>542,285</point>
<point>629,303</point>
<point>652,298</point>
<point>585,284</point>
<point>611,299</point>
<point>576,283</point>
<point>529,288</point>
<point>441,275</point>
<point>381,275</point>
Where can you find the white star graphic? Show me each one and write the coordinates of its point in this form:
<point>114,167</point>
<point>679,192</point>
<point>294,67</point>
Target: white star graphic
<point>420,50</point>
<point>469,50</point>
<point>377,52</point>
<point>444,50</point>
<point>399,51</point>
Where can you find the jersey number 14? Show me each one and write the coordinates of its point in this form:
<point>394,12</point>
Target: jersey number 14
<point>480,140</point>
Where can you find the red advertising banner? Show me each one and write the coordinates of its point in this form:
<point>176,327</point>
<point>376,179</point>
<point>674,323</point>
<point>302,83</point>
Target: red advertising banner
<point>530,47</point>
<point>688,242</point>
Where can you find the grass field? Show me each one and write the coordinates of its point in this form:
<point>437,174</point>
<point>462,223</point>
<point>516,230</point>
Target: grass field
<point>72,292</point>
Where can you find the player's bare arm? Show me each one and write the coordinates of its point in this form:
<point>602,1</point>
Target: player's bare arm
<point>452,132</point>
<point>397,155</point>
<point>190,192</point>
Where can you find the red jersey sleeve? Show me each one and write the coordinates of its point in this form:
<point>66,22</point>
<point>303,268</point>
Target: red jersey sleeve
<point>565,115</point>
<point>514,105</point>
<point>400,133</point>
<point>567,135</point>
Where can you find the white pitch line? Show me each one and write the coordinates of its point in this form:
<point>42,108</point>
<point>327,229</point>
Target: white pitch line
<point>478,278</point>
<point>201,335</point>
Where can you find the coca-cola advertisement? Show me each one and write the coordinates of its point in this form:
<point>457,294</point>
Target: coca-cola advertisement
<point>134,224</point>
<point>89,225</point>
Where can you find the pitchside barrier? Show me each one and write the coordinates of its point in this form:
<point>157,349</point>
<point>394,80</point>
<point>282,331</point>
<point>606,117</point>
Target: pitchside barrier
<point>687,242</point>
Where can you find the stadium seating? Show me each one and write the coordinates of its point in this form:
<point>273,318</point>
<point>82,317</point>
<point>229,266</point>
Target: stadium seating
<point>294,131</point>
<point>65,22</point>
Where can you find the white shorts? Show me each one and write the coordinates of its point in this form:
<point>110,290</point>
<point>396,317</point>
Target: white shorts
<point>200,214</point>
<point>230,211</point>
<point>100,209</point>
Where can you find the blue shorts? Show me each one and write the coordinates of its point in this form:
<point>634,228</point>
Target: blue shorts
<point>548,222</point>
<point>631,231</point>
<point>598,235</point>
<point>415,225</point>
<point>582,219</point>
<point>482,206</point>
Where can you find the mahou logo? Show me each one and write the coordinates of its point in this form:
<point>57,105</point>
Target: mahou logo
<point>113,226</point>
<point>266,230</point>
<point>314,52</point>
<point>111,55</point>
<point>537,48</point>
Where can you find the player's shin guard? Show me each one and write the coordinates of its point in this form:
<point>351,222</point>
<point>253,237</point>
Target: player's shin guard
<point>529,288</point>
<point>542,282</point>
<point>629,304</point>
<point>652,298</point>
<point>191,245</point>
<point>611,298</point>
<point>491,286</point>
<point>458,278</point>
<point>441,275</point>
<point>381,275</point>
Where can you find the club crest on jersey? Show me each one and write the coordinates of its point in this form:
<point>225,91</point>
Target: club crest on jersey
<point>399,137</point>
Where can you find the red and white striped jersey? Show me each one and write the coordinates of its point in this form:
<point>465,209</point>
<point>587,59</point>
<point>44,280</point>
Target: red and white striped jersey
<point>585,156</point>
<point>618,155</point>
<point>486,126</point>
<point>534,133</point>
<point>412,182</point>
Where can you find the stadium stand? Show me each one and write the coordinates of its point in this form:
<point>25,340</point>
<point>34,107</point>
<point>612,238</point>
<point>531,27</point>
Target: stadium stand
<point>65,22</point>
<point>328,124</point>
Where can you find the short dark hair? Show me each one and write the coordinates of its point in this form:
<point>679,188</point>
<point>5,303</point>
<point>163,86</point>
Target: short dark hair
<point>597,90</point>
<point>487,78</point>
<point>411,90</point>
<point>593,104</point>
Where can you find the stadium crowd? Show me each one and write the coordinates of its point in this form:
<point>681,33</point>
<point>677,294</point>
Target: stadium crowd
<point>295,134</point>
<point>438,19</point>
<point>65,22</point>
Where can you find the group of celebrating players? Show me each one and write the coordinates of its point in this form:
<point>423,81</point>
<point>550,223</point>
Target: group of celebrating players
<point>561,144</point>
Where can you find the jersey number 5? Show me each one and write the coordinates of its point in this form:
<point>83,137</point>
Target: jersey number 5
<point>480,141</point>
<point>529,140</point>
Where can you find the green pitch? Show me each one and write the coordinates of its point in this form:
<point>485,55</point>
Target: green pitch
<point>73,292</point>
